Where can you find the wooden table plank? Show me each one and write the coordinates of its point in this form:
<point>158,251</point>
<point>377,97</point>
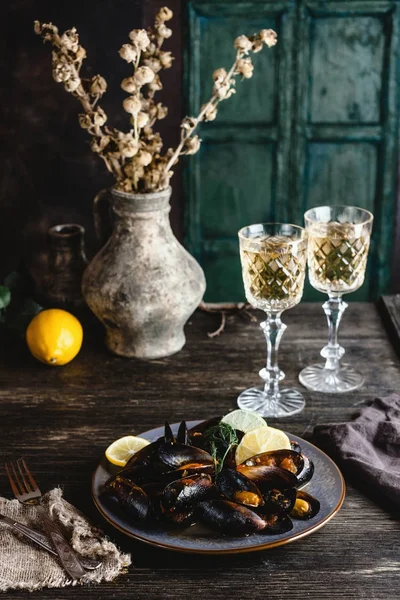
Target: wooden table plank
<point>63,419</point>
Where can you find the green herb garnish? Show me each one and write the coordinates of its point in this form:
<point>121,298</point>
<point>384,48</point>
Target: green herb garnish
<point>220,439</point>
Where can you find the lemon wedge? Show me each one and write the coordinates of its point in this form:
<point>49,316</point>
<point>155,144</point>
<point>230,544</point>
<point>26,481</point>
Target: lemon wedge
<point>244,420</point>
<point>120,451</point>
<point>262,439</point>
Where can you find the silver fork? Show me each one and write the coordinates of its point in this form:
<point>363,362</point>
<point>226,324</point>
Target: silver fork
<point>26,491</point>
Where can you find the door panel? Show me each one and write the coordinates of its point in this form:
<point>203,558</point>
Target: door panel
<point>236,178</point>
<point>347,58</point>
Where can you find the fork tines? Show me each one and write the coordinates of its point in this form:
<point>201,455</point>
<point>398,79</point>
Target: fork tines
<point>21,480</point>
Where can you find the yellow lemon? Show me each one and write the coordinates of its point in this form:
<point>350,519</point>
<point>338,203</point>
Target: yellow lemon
<point>54,336</point>
<point>262,439</point>
<point>120,451</point>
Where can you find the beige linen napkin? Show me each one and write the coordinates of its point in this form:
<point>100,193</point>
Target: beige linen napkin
<point>25,566</point>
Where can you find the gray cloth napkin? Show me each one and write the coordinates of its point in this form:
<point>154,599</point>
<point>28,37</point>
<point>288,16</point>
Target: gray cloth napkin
<point>369,446</point>
<point>25,566</point>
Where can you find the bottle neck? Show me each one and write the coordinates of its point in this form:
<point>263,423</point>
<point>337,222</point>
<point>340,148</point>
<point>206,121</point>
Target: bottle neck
<point>141,206</point>
<point>66,244</point>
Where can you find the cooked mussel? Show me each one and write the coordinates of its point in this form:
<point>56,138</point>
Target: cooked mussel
<point>268,478</point>
<point>196,434</point>
<point>278,502</point>
<point>229,517</point>
<point>238,488</point>
<point>305,507</point>
<point>285,459</point>
<point>132,498</point>
<point>179,498</point>
<point>183,457</point>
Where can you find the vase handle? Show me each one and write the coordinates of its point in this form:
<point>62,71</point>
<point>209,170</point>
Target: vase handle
<point>103,216</point>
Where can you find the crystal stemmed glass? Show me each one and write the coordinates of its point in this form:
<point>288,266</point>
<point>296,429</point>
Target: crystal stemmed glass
<point>338,243</point>
<point>273,257</point>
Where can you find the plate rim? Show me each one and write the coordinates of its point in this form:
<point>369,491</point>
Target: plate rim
<point>266,546</point>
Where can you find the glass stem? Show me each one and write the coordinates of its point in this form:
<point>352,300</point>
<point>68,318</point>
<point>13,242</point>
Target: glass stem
<point>334,308</point>
<point>273,329</point>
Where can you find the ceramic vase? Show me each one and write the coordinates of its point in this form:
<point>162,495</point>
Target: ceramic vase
<point>143,285</point>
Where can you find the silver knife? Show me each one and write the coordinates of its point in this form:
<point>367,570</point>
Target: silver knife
<point>43,541</point>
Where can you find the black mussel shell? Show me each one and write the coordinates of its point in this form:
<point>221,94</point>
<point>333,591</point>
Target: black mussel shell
<point>307,471</point>
<point>182,436</point>
<point>230,462</point>
<point>229,517</point>
<point>145,456</point>
<point>132,498</point>
<point>169,437</point>
<point>285,459</point>
<point>238,488</point>
<point>278,502</point>
<point>179,499</point>
<point>196,434</point>
<point>186,492</point>
<point>181,456</point>
<point>306,506</point>
<point>295,446</point>
<point>278,525</point>
<point>269,478</point>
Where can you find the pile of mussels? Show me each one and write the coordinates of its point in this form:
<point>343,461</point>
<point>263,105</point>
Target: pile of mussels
<point>175,480</point>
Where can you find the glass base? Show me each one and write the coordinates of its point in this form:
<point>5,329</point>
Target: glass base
<point>289,402</point>
<point>318,379</point>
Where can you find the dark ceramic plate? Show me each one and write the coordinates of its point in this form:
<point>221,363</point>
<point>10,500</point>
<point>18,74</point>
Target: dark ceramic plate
<point>327,485</point>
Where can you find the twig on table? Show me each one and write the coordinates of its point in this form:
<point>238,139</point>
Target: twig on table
<point>224,308</point>
<point>220,328</point>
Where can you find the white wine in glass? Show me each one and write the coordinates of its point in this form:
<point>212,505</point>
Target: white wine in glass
<point>273,257</point>
<point>338,244</point>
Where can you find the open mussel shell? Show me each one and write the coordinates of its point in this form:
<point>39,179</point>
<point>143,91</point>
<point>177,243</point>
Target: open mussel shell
<point>186,492</point>
<point>269,478</point>
<point>180,456</point>
<point>238,488</point>
<point>178,500</point>
<point>285,459</point>
<point>307,471</point>
<point>278,502</point>
<point>305,507</point>
<point>229,517</point>
<point>290,460</point>
<point>132,498</point>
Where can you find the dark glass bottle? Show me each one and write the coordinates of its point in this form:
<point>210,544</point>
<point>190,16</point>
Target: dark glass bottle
<point>61,284</point>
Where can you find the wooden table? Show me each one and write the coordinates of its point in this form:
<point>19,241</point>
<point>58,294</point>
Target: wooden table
<point>62,419</point>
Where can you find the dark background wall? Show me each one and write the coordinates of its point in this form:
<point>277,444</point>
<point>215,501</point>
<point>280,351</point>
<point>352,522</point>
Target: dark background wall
<point>48,173</point>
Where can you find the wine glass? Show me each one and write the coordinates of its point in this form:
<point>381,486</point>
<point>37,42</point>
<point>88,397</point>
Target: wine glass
<point>338,243</point>
<point>273,257</point>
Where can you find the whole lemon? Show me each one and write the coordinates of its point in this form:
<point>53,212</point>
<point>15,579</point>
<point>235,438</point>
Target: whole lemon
<point>54,336</point>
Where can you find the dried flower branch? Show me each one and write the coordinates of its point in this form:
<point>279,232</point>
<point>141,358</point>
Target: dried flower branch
<point>223,89</point>
<point>134,158</point>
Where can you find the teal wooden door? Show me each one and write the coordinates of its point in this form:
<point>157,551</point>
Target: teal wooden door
<point>317,124</point>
